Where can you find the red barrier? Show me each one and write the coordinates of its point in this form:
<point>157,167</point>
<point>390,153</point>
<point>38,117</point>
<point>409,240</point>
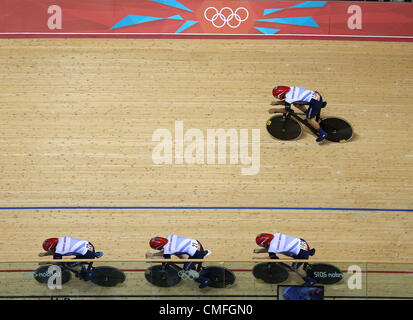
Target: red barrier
<point>207,18</point>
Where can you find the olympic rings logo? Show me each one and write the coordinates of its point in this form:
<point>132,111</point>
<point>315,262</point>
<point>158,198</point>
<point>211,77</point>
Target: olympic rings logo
<point>232,19</point>
<point>188,275</point>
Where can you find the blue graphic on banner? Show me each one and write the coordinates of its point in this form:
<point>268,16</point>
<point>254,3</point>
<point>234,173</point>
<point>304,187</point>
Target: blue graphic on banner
<point>298,21</point>
<point>310,4</point>
<point>268,11</point>
<point>173,3</point>
<point>267,30</point>
<point>176,17</point>
<point>186,25</point>
<point>131,20</point>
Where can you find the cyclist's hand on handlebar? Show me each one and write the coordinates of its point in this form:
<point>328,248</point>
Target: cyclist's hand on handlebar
<point>43,254</point>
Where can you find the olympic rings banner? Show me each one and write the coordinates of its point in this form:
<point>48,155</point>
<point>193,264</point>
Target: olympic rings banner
<point>207,18</point>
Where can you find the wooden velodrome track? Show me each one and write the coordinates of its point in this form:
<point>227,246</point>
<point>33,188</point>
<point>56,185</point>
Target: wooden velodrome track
<point>76,130</point>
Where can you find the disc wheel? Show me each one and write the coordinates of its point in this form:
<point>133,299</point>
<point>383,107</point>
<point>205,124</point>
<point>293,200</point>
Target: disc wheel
<point>220,277</point>
<point>283,128</point>
<point>107,276</point>
<point>43,273</point>
<point>338,129</point>
<point>324,273</point>
<point>162,277</point>
<point>270,272</point>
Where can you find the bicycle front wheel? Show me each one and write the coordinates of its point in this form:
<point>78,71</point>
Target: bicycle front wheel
<point>283,128</point>
<point>43,273</point>
<point>270,272</point>
<point>162,276</point>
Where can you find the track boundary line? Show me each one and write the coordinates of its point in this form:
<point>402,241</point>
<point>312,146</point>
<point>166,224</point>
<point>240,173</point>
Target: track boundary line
<point>199,208</point>
<point>206,36</point>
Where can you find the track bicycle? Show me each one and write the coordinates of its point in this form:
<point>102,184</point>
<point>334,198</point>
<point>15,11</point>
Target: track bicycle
<point>170,274</point>
<point>104,276</point>
<point>287,127</point>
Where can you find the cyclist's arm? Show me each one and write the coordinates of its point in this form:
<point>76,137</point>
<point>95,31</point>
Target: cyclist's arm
<point>277,103</point>
<point>286,109</point>
<point>287,106</point>
<point>43,254</point>
<point>55,255</point>
<point>180,256</point>
<point>261,250</point>
<point>272,255</point>
<point>277,110</point>
<point>157,254</point>
<point>166,256</point>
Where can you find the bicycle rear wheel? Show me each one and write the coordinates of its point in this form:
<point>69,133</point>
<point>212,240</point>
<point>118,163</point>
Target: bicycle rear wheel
<point>107,276</point>
<point>270,272</point>
<point>220,277</point>
<point>283,128</point>
<point>338,129</point>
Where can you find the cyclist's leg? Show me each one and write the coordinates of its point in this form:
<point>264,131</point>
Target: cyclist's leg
<point>301,107</point>
<point>312,115</point>
<point>200,254</point>
<point>86,273</point>
<point>304,254</point>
